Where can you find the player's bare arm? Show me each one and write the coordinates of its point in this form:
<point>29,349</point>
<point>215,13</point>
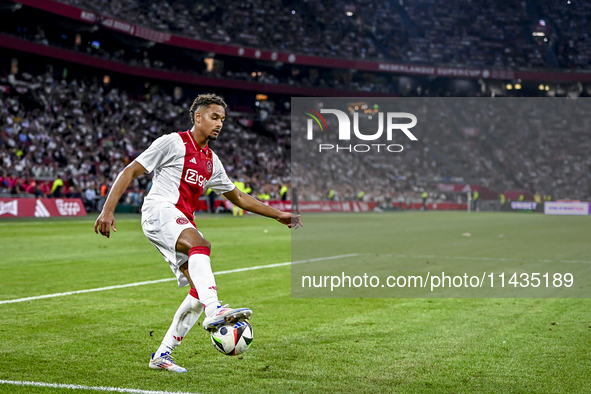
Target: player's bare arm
<point>251,204</point>
<point>106,220</point>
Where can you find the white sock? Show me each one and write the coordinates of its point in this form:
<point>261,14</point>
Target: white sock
<point>203,279</point>
<point>184,318</point>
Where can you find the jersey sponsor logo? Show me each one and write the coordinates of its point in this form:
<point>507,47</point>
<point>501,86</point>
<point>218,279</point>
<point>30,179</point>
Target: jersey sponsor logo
<point>193,161</point>
<point>212,288</point>
<point>209,167</point>
<point>193,177</point>
<point>182,221</point>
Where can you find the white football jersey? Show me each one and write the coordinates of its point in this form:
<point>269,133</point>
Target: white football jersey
<point>182,170</point>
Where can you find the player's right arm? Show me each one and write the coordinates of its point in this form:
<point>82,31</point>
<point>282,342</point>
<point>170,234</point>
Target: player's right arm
<point>106,220</point>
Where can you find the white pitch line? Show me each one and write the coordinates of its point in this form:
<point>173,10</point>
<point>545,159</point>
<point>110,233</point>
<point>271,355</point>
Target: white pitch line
<point>93,388</point>
<point>149,282</point>
<point>480,258</point>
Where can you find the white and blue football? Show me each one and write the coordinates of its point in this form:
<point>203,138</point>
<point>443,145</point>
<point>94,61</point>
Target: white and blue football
<point>232,339</point>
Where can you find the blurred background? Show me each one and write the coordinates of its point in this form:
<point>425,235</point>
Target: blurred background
<point>85,86</point>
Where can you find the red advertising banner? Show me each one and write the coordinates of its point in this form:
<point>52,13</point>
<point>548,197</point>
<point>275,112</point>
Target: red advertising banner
<point>319,206</point>
<point>352,206</point>
<point>336,206</point>
<point>438,206</point>
<point>515,194</point>
<point>485,193</point>
<point>41,207</point>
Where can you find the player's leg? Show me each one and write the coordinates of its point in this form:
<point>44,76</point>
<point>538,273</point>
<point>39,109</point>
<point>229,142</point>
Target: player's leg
<point>184,319</point>
<point>162,225</point>
<point>198,268</point>
<point>198,271</point>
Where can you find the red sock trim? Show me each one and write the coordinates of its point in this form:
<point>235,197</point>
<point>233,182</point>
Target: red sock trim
<point>199,250</point>
<point>193,293</point>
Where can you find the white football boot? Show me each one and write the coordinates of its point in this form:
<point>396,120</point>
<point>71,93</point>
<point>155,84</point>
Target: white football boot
<point>165,361</point>
<point>223,315</point>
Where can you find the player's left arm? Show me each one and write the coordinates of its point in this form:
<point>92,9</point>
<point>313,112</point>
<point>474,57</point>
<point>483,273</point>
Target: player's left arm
<point>251,204</point>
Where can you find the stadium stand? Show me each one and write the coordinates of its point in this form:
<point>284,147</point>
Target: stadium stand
<point>85,123</point>
<point>87,133</point>
<point>473,33</point>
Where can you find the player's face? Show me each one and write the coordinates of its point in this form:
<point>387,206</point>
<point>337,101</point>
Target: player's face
<point>211,120</point>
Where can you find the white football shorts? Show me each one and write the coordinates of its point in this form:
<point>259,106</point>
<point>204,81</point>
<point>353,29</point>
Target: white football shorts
<point>163,224</point>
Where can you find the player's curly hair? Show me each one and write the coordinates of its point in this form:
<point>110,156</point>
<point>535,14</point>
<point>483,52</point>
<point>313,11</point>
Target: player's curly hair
<point>205,100</point>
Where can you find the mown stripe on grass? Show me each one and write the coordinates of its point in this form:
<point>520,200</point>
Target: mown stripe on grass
<point>91,388</point>
<point>149,282</point>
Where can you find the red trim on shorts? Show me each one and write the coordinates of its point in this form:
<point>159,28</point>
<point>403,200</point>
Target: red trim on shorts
<point>193,293</point>
<point>199,250</point>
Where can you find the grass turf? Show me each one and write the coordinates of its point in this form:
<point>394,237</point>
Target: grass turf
<point>302,345</point>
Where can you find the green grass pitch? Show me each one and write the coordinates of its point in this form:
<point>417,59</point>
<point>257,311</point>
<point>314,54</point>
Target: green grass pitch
<point>301,345</point>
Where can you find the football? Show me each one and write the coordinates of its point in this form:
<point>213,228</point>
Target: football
<point>233,339</point>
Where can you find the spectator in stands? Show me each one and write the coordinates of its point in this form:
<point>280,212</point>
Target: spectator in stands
<point>17,186</point>
<point>63,138</point>
<point>424,197</point>
<point>477,34</point>
<point>31,186</point>
<point>57,187</point>
<point>45,189</point>
<point>3,181</point>
<point>90,199</point>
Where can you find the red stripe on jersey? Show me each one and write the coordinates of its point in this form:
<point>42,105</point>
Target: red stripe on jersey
<point>196,173</point>
<point>199,250</point>
<point>193,293</point>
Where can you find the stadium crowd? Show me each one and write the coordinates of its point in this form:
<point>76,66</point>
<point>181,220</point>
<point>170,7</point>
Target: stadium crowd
<point>574,47</point>
<point>545,152</point>
<point>475,33</point>
<point>463,140</point>
<point>498,36</point>
<point>86,134</point>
